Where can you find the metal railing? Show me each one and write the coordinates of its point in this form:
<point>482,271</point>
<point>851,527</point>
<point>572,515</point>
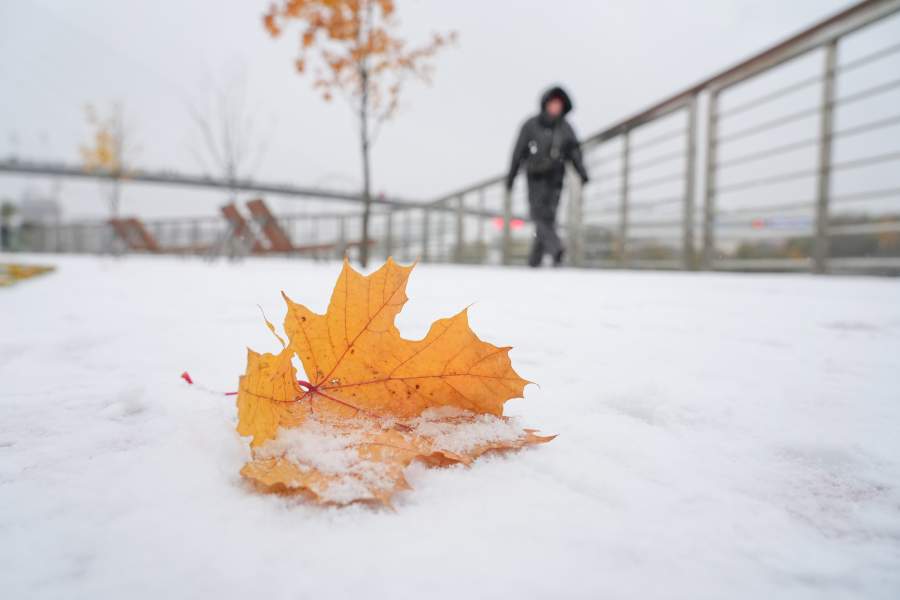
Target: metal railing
<point>448,231</point>
<point>789,170</point>
<point>754,168</point>
<point>789,160</point>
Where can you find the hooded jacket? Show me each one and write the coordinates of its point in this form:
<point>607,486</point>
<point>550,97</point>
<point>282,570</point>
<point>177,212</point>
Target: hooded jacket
<point>545,143</point>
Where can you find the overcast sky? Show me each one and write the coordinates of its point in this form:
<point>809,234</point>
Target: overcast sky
<point>615,57</point>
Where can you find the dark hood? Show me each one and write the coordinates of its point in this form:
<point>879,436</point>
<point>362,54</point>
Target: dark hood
<point>560,93</point>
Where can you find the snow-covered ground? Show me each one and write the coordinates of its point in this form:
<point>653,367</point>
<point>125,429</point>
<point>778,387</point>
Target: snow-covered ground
<point>720,436</point>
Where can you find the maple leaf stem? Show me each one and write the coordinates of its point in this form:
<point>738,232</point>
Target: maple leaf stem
<point>313,390</point>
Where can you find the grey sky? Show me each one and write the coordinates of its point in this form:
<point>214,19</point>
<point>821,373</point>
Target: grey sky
<point>614,57</point>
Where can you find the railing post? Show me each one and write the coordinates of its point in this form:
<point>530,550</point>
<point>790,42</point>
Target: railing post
<point>408,234</point>
<point>460,228</point>
<point>623,206</point>
<point>426,232</point>
<point>709,174</point>
<point>314,228</point>
<point>690,175</point>
<point>481,218</point>
<point>507,232</point>
<point>342,237</point>
<point>195,237</point>
<point>823,176</point>
<point>441,253</point>
<point>389,233</point>
<point>107,240</point>
<point>576,220</point>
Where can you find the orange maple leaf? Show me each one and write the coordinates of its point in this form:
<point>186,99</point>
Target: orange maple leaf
<point>373,402</point>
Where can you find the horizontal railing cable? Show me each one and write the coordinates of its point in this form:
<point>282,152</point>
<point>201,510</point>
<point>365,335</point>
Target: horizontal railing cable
<point>868,93</point>
<point>868,58</point>
<point>848,164</point>
<point>762,154</point>
<point>766,125</point>
<point>639,185</point>
<point>864,127</point>
<point>766,98</point>
<point>654,141</point>
<point>658,160</point>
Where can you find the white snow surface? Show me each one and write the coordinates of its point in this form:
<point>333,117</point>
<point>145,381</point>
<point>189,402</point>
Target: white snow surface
<point>467,431</point>
<point>720,436</point>
<point>334,450</point>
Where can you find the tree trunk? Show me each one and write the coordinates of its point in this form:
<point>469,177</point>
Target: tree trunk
<point>114,198</point>
<point>364,146</point>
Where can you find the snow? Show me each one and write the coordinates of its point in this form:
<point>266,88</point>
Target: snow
<point>318,445</point>
<point>467,431</point>
<point>720,436</point>
<point>331,452</point>
<point>352,475</point>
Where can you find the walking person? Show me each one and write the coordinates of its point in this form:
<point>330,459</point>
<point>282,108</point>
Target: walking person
<point>546,141</point>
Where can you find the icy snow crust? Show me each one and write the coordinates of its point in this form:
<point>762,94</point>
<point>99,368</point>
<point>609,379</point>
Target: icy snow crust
<point>332,450</point>
<point>720,436</point>
<point>460,431</point>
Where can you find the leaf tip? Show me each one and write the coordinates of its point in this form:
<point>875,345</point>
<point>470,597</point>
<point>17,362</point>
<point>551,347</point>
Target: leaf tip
<point>464,314</point>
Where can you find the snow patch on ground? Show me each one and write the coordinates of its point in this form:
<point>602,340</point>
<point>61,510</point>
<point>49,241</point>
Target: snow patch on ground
<point>331,451</point>
<point>460,431</point>
<point>317,445</point>
<point>720,436</point>
<point>334,451</point>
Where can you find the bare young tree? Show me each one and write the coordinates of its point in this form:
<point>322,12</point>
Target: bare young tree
<point>232,143</point>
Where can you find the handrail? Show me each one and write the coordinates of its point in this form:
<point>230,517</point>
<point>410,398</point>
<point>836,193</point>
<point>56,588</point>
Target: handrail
<point>837,25</point>
<point>172,178</point>
<point>26,167</point>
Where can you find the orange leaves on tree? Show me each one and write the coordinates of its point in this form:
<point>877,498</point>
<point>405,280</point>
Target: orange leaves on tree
<point>374,401</point>
<point>355,47</point>
<point>107,149</point>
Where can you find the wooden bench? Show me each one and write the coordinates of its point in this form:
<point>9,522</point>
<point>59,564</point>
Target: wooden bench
<point>134,235</point>
<point>137,238</point>
<point>279,241</point>
<point>240,229</point>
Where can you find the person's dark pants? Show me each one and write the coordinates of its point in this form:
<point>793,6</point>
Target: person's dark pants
<point>543,201</point>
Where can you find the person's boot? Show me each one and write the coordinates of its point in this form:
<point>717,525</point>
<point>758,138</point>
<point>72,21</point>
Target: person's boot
<point>558,257</point>
<point>536,254</point>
